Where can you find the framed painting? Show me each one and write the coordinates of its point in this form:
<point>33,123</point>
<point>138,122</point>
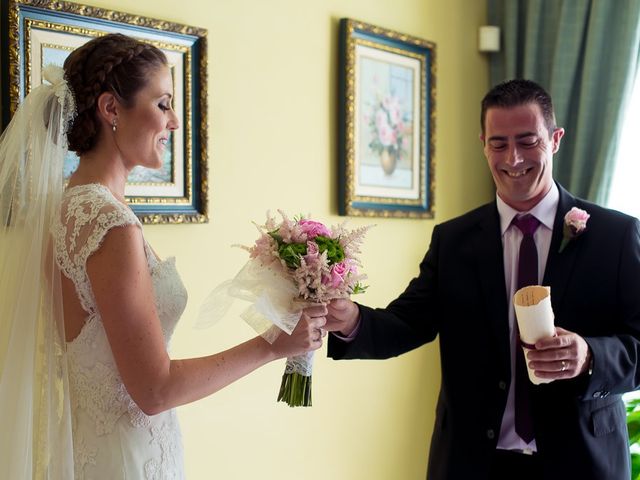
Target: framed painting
<point>35,33</point>
<point>387,121</point>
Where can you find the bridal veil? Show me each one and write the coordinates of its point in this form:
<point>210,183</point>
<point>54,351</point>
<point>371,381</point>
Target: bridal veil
<point>36,437</point>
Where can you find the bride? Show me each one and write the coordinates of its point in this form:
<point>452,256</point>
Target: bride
<point>87,308</point>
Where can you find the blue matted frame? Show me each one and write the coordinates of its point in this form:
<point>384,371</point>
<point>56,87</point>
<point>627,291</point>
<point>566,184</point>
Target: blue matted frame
<point>182,196</point>
<point>386,122</point>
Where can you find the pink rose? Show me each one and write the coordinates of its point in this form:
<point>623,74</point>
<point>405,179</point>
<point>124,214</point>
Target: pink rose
<point>338,273</point>
<point>575,222</point>
<point>313,229</point>
<point>576,219</point>
<point>381,119</point>
<point>386,135</point>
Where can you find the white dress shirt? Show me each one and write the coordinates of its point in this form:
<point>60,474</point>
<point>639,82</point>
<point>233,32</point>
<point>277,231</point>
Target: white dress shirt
<point>545,212</point>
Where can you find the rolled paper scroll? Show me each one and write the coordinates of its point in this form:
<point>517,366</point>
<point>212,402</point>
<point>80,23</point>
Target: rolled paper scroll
<point>535,320</point>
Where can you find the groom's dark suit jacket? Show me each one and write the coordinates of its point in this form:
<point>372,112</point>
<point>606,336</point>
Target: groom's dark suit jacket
<point>460,295</point>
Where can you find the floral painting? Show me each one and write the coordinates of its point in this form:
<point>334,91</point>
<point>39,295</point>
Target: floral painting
<point>386,128</point>
<point>387,121</point>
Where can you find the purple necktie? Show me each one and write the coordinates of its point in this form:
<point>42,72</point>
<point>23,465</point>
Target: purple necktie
<point>527,275</point>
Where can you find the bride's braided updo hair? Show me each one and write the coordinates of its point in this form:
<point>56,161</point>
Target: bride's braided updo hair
<point>113,63</point>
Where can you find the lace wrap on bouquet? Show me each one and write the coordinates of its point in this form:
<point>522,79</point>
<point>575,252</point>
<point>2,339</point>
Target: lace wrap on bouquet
<point>111,434</point>
<point>273,307</point>
<point>34,400</point>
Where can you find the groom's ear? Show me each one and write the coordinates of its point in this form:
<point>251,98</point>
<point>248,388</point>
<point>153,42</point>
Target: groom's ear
<point>556,136</point>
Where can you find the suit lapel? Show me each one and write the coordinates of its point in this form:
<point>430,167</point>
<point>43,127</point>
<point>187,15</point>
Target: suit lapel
<point>560,265</point>
<point>491,277</point>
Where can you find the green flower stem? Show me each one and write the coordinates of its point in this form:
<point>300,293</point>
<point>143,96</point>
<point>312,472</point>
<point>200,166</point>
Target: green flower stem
<point>563,244</point>
<point>295,390</point>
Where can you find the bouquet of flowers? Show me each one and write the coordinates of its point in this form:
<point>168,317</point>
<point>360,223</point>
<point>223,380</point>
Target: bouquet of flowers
<point>320,264</point>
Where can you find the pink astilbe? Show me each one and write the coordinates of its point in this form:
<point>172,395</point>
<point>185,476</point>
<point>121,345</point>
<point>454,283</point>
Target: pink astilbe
<point>263,249</point>
<point>351,240</point>
<point>308,277</point>
<point>313,253</point>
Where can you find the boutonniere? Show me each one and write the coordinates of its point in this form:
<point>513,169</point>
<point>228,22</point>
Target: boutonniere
<point>575,222</point>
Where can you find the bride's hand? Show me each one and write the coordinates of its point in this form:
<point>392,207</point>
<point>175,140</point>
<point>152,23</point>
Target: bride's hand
<point>306,336</point>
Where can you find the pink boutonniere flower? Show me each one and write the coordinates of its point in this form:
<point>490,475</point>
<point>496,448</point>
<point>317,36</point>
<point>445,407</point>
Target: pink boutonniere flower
<point>575,223</point>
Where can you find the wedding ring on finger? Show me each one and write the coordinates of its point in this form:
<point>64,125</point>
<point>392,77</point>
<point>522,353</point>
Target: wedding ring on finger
<point>564,366</point>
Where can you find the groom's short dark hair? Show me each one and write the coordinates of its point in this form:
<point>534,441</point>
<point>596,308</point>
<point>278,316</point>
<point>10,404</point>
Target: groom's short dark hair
<point>513,93</point>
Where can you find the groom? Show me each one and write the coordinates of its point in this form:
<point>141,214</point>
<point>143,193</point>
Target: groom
<point>486,427</point>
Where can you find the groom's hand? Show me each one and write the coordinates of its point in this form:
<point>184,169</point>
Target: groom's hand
<point>343,316</point>
<point>565,355</point>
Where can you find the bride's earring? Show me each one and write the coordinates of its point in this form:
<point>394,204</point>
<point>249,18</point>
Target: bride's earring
<point>113,125</point>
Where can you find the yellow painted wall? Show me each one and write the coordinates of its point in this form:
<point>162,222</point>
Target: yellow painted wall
<point>272,130</point>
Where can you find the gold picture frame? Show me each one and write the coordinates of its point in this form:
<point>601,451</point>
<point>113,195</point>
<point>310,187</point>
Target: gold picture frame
<point>38,32</point>
<point>387,122</point>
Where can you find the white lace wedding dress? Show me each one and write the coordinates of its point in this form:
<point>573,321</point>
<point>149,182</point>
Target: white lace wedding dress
<point>113,438</point>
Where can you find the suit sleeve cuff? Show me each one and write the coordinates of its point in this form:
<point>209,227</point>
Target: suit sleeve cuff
<point>351,337</point>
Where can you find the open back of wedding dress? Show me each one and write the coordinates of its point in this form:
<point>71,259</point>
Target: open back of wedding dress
<point>112,437</point>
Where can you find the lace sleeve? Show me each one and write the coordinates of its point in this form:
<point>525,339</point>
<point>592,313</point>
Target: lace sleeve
<point>87,213</point>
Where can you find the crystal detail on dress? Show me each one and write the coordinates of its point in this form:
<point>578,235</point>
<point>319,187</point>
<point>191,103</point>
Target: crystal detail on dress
<point>113,438</point>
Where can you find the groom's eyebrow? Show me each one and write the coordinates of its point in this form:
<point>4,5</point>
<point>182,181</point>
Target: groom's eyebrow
<point>504,138</point>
